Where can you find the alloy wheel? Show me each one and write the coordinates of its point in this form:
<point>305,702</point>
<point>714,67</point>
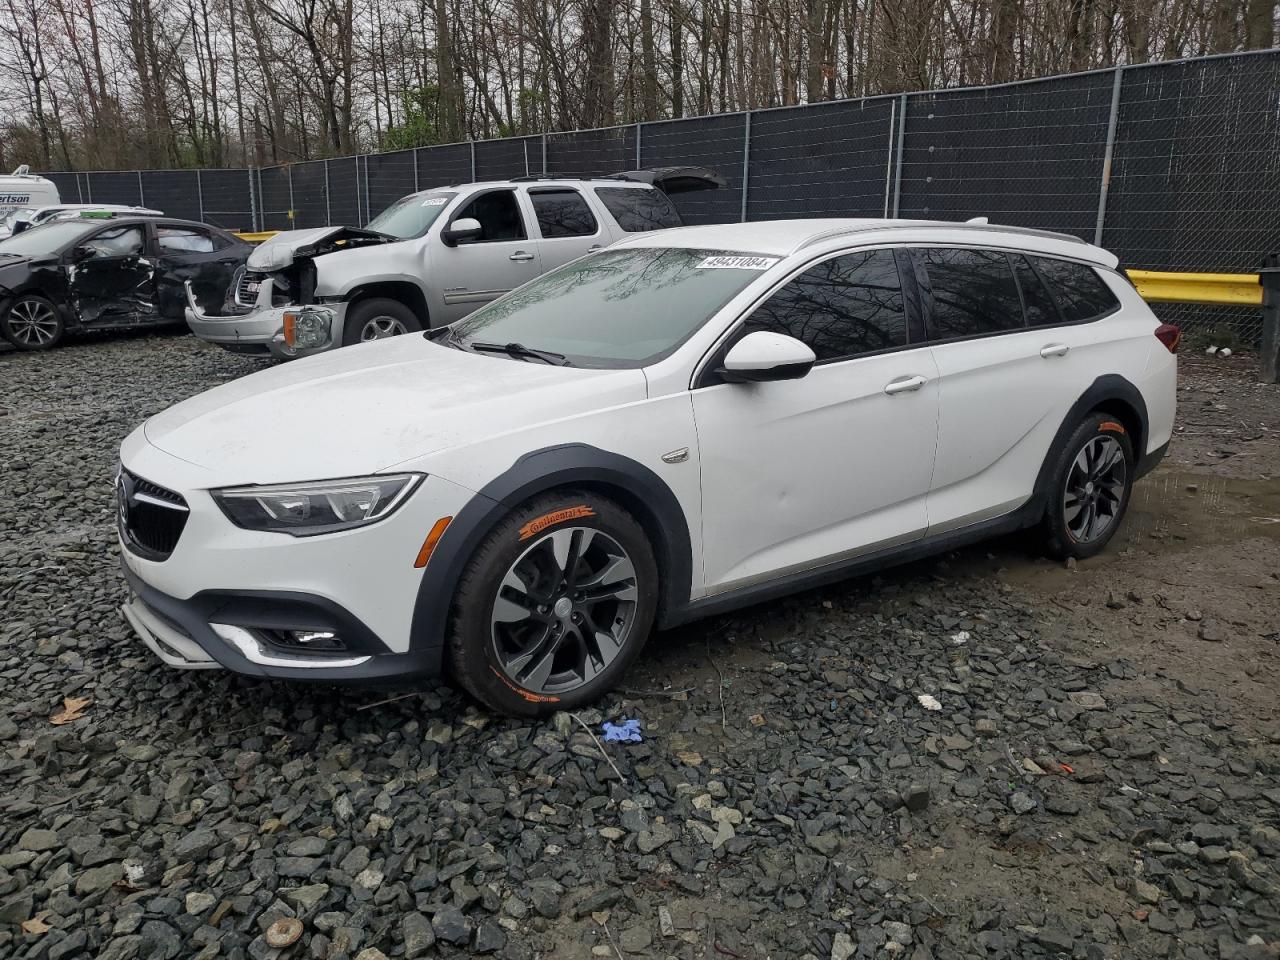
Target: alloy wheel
<point>379,328</point>
<point>1095,489</point>
<point>33,323</point>
<point>564,610</point>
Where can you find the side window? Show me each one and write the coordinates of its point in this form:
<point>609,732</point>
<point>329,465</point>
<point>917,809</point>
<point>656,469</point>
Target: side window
<point>1081,294</point>
<point>637,209</point>
<point>849,305</point>
<point>562,213</point>
<point>116,242</point>
<point>185,240</point>
<point>973,292</point>
<point>1039,306</point>
<point>499,216</point>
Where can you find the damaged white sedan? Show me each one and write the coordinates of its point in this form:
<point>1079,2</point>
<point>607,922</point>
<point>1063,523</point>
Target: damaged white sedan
<point>431,258</point>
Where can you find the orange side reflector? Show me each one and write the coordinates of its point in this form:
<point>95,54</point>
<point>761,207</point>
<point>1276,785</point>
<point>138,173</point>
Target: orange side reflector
<point>290,320</point>
<point>429,544</point>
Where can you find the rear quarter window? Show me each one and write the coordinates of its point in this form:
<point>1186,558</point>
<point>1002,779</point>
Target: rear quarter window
<point>638,210</point>
<point>1080,293</point>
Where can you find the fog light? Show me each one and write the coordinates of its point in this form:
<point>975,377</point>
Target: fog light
<point>310,639</point>
<point>305,329</point>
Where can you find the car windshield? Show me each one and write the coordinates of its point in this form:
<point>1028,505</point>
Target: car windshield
<point>411,216</point>
<point>45,239</point>
<point>617,308</point>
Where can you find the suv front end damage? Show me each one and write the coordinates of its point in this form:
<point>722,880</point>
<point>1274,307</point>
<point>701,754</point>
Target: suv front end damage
<point>271,306</point>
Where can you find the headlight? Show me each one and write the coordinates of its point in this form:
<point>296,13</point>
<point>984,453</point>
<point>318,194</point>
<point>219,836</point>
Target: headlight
<point>307,509</point>
<point>310,327</point>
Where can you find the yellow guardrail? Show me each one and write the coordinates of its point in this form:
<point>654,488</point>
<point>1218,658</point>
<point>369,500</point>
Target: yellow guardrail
<point>1224,289</point>
<point>259,237</point>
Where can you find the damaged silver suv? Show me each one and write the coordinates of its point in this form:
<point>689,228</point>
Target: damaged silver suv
<point>431,258</point>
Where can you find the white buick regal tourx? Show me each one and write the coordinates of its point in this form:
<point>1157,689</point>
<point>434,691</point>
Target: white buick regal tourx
<point>683,423</point>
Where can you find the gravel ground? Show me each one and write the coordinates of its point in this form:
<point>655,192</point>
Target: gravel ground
<point>1099,776</point>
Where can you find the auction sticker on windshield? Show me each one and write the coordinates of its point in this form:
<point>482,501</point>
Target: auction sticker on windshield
<point>737,263</point>
<point>435,201</point>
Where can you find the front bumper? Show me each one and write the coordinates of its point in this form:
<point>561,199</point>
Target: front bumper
<point>261,330</point>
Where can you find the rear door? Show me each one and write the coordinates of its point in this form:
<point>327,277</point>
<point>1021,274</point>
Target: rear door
<point>206,257</point>
<point>476,272</point>
<point>113,283</point>
<point>567,228</point>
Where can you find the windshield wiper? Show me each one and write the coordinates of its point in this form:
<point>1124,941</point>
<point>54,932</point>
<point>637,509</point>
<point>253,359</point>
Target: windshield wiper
<point>520,352</point>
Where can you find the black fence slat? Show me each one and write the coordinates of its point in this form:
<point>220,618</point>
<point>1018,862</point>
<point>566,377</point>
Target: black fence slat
<point>389,176</point>
<point>176,193</point>
<point>310,195</point>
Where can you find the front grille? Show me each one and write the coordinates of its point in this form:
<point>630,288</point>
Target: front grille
<point>151,517</point>
<point>244,296</point>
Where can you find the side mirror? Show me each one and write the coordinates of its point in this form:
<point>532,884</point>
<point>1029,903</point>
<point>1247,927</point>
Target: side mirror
<point>462,231</point>
<point>763,356</point>
<point>82,253</point>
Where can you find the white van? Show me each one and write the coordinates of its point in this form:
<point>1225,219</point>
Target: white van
<point>23,189</point>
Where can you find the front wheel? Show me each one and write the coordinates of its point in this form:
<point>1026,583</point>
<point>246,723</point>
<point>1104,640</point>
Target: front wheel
<point>554,605</point>
<point>32,323</point>
<point>378,319</point>
<point>1089,493</point>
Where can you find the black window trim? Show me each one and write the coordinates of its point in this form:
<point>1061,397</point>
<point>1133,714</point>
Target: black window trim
<point>1062,321</point>
<point>703,373</point>
<point>595,219</point>
<point>466,201</point>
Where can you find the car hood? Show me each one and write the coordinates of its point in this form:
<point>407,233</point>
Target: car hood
<point>286,246</point>
<point>365,408</point>
<point>13,271</point>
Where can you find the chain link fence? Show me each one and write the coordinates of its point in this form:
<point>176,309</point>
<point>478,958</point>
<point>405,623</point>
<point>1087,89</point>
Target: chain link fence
<point>1172,166</point>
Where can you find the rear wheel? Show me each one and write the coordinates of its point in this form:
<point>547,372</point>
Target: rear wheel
<point>32,323</point>
<point>378,319</point>
<point>554,605</point>
<point>1092,482</point>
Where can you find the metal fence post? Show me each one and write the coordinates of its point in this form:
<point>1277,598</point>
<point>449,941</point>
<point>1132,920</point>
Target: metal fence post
<point>888,155</point>
<point>142,197</point>
<point>292,207</point>
<point>902,136</point>
<point>253,206</point>
<point>200,193</point>
<point>1105,186</point>
<point>328,200</point>
<point>88,186</point>
<point>368,214</point>
<point>416,185</point>
<point>1269,353</point>
<point>639,162</point>
<point>473,162</point>
<point>746,164</point>
<point>544,154</point>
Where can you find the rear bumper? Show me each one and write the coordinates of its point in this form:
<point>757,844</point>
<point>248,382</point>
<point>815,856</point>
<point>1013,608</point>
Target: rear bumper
<point>225,629</point>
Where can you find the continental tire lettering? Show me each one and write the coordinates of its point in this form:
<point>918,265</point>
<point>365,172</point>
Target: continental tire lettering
<point>1112,426</point>
<point>521,691</point>
<point>541,523</point>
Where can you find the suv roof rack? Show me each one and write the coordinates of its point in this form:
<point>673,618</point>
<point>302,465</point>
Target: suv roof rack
<point>975,224</point>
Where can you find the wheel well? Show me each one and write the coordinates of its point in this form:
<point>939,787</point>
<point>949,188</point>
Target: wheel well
<point>401,291</point>
<point>1130,419</point>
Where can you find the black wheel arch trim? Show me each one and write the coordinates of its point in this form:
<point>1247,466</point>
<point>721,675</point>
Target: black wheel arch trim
<point>564,465</point>
<point>1107,388</point>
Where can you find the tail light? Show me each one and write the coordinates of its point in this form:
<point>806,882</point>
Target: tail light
<point>1170,336</point>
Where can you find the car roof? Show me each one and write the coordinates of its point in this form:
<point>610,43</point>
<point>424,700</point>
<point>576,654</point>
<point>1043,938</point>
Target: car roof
<point>541,181</point>
<point>782,238</point>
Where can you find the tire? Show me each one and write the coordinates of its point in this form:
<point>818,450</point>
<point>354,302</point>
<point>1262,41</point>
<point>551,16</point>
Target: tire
<point>377,319</point>
<point>522,643</point>
<point>32,323</point>
<point>1091,483</point>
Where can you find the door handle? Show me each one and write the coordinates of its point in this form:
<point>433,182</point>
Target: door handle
<point>520,255</point>
<point>905,385</point>
<point>595,246</point>
<point>1054,350</point>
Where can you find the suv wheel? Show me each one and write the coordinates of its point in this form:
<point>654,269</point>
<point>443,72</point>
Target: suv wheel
<point>1092,482</point>
<point>554,605</point>
<point>32,323</point>
<point>377,319</point>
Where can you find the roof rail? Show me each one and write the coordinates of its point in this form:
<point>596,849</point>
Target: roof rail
<point>911,224</point>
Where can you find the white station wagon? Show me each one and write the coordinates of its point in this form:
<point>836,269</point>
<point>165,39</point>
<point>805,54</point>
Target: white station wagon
<point>681,424</point>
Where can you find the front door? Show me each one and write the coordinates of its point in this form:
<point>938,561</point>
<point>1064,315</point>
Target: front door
<point>801,473</point>
<point>111,280</point>
<point>475,272</point>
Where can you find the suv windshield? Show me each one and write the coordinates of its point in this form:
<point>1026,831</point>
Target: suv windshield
<point>617,308</point>
<point>46,238</point>
<point>411,216</point>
